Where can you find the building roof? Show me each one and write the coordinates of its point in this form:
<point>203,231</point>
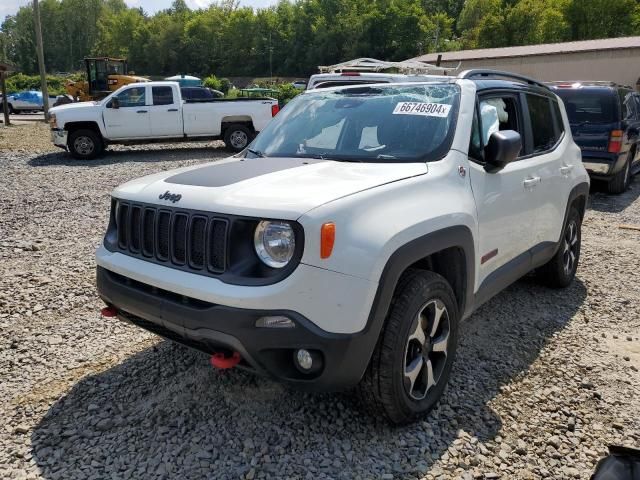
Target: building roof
<point>528,50</point>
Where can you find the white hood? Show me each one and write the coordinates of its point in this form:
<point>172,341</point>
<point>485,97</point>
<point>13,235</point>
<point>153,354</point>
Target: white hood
<point>73,106</point>
<point>266,187</point>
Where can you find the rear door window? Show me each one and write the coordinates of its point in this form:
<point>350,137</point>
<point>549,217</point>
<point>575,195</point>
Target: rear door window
<point>542,125</point>
<point>628,105</point>
<point>162,95</point>
<point>557,119</point>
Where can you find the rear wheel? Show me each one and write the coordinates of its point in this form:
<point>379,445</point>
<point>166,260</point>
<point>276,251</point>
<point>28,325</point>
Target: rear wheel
<point>561,269</point>
<point>411,363</point>
<point>85,144</point>
<point>620,180</point>
<point>237,137</point>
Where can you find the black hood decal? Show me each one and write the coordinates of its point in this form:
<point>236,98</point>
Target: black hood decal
<point>233,172</point>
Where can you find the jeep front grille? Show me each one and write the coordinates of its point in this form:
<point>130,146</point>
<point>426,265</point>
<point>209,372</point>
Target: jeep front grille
<point>177,238</point>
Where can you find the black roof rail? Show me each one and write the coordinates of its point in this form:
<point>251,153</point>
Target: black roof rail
<point>481,73</point>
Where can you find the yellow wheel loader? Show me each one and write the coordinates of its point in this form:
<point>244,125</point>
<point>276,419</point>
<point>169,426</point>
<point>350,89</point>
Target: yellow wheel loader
<point>104,75</point>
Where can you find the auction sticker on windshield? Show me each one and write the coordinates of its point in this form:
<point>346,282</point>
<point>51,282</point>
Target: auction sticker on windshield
<point>420,108</point>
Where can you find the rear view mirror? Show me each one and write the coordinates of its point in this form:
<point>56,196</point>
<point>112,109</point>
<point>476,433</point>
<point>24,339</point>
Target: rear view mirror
<point>504,147</point>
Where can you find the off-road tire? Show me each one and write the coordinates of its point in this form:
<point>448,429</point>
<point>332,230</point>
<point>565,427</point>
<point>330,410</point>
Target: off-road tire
<point>85,144</point>
<point>234,133</point>
<point>554,273</point>
<point>620,181</point>
<point>382,390</point>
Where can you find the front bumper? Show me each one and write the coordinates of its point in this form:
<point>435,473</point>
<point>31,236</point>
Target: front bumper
<point>59,137</point>
<point>213,328</point>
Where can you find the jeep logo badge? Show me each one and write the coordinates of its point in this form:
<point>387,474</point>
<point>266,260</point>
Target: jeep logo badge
<point>172,197</point>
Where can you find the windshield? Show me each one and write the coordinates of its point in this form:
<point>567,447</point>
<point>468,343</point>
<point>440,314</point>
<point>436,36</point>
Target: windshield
<point>381,123</point>
<point>589,106</point>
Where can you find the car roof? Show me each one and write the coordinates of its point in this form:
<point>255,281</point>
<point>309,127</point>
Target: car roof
<point>604,89</point>
<point>482,78</point>
<point>500,84</point>
<point>448,80</point>
<point>587,84</point>
<point>163,83</point>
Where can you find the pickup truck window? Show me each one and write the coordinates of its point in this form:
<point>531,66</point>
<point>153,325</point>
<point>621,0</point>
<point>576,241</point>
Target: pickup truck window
<point>381,123</point>
<point>162,95</point>
<point>133,97</point>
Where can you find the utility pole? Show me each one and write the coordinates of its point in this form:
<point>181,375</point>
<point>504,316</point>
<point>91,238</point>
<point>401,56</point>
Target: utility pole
<point>270,59</point>
<point>3,86</point>
<point>40,52</point>
<point>437,36</point>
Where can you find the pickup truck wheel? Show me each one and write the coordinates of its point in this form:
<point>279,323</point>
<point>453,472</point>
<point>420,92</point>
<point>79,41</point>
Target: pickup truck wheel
<point>85,144</point>
<point>561,269</point>
<point>237,137</point>
<point>411,363</point>
<point>620,180</point>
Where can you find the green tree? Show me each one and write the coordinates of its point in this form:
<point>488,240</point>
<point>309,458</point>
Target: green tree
<point>475,16</point>
<point>600,18</point>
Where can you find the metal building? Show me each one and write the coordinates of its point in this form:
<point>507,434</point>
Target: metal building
<point>611,59</point>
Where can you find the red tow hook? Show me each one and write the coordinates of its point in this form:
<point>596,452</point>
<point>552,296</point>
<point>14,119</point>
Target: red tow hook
<point>109,312</point>
<point>218,360</point>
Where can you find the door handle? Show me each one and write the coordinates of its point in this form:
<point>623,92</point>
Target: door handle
<point>141,111</point>
<point>531,182</point>
<point>172,110</point>
<point>566,169</point>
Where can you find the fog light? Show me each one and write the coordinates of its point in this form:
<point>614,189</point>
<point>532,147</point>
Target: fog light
<point>276,321</point>
<point>304,359</point>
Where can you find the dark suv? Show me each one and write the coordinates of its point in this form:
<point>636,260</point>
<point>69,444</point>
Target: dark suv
<point>605,122</point>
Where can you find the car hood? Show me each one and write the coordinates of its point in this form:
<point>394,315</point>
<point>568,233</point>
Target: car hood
<point>272,187</point>
<point>74,106</point>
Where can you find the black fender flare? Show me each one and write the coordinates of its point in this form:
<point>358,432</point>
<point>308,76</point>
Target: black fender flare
<point>577,192</point>
<point>405,256</point>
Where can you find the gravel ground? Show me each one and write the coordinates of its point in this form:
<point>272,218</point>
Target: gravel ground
<point>544,380</point>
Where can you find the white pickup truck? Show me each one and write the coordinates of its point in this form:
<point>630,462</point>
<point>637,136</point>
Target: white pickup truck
<point>155,111</point>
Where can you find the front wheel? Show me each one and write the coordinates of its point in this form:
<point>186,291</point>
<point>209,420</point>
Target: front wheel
<point>85,144</point>
<point>411,363</point>
<point>561,269</point>
<point>237,137</point>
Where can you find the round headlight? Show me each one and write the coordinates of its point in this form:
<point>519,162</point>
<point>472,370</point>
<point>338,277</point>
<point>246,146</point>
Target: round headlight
<point>275,243</point>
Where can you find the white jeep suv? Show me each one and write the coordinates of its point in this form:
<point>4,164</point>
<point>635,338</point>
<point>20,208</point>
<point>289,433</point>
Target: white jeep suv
<point>345,246</point>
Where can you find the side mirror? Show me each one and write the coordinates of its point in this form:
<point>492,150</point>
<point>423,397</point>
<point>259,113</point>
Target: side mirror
<point>504,147</point>
<point>114,103</point>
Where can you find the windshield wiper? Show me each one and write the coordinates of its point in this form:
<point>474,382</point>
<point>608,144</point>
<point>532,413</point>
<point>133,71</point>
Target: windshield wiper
<point>324,156</point>
<point>257,153</point>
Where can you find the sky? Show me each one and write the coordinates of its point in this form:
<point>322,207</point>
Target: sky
<point>10,7</point>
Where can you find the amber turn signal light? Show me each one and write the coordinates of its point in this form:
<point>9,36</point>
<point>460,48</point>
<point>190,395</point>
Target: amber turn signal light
<point>327,239</point>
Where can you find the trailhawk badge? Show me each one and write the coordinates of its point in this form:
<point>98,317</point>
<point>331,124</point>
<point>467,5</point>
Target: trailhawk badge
<point>172,197</point>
